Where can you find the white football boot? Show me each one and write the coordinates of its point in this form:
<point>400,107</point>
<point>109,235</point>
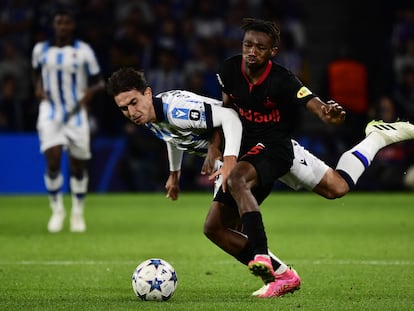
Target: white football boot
<point>78,186</point>
<point>55,223</point>
<point>391,132</point>
<point>77,223</point>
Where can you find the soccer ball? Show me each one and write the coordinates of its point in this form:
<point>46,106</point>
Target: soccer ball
<point>154,279</point>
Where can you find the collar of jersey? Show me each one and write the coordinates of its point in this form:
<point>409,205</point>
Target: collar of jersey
<point>159,109</point>
<point>73,43</point>
<point>262,78</point>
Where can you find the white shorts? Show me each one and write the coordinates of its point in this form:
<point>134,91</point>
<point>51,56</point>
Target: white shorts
<point>73,135</point>
<point>306,171</point>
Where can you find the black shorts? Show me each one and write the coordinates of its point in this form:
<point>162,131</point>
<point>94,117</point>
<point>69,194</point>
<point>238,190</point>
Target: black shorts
<point>270,162</point>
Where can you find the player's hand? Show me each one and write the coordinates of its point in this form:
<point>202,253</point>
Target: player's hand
<point>333,113</point>
<point>213,154</point>
<point>172,185</point>
<point>40,94</point>
<point>229,162</point>
<point>87,97</point>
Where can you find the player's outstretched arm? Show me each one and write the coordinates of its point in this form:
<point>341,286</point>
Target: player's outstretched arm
<point>175,157</point>
<point>97,85</point>
<point>213,152</point>
<point>172,186</point>
<point>232,130</point>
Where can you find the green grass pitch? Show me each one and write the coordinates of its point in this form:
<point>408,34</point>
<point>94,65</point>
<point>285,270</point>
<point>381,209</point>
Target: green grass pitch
<point>354,253</point>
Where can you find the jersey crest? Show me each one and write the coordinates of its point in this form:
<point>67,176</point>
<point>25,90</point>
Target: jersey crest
<point>186,124</point>
<point>180,113</point>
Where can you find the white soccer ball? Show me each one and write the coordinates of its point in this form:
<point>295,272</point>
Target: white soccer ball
<point>154,279</point>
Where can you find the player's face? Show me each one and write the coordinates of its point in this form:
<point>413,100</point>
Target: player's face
<point>257,49</point>
<point>136,106</point>
<point>64,26</point>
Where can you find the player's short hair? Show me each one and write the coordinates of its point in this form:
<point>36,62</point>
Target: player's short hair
<point>126,79</point>
<point>66,11</point>
<point>268,27</point>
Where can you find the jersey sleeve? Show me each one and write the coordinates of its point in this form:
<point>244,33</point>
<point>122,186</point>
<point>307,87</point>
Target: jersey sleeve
<point>299,93</point>
<point>222,75</point>
<point>175,157</point>
<point>36,54</point>
<point>229,121</point>
<point>190,111</point>
<point>91,62</point>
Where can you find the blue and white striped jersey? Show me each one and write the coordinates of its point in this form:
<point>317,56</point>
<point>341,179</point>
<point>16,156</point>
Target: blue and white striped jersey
<point>186,120</point>
<point>64,71</point>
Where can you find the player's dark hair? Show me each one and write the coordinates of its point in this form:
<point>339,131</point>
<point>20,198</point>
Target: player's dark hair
<point>126,79</point>
<point>268,27</point>
<point>66,12</point>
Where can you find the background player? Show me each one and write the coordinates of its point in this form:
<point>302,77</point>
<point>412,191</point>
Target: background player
<point>67,76</point>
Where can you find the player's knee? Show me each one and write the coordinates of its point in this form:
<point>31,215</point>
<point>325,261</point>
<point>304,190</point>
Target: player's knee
<point>337,191</point>
<point>53,166</point>
<point>236,183</point>
<point>332,186</point>
<point>210,230</point>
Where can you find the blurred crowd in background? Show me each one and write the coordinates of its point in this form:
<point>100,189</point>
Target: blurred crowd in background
<point>179,44</point>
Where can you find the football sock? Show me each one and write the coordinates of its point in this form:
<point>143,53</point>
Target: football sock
<point>79,188</point>
<point>245,255</point>
<point>254,229</point>
<point>54,182</point>
<point>355,161</point>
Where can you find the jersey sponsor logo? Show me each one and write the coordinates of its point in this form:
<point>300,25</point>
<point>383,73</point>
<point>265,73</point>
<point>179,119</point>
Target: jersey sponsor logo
<point>180,113</point>
<point>258,117</point>
<point>194,115</point>
<point>303,91</point>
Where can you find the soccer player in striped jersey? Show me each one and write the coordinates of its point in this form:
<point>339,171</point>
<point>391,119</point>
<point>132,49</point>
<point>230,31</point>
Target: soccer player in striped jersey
<point>184,120</point>
<point>66,77</point>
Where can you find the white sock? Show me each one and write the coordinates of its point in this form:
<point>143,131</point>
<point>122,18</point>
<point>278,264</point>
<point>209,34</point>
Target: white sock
<point>282,268</point>
<point>79,188</point>
<point>355,161</point>
<point>54,187</point>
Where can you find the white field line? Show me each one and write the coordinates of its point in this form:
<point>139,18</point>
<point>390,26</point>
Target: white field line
<point>334,262</point>
<point>64,262</point>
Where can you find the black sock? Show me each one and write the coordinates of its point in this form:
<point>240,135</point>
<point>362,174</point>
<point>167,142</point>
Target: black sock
<point>245,255</point>
<point>254,229</point>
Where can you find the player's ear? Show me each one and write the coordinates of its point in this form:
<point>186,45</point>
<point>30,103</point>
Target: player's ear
<point>274,51</point>
<point>148,91</point>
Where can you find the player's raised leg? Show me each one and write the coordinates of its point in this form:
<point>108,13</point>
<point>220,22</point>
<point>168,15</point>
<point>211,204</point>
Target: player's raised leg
<point>379,134</point>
